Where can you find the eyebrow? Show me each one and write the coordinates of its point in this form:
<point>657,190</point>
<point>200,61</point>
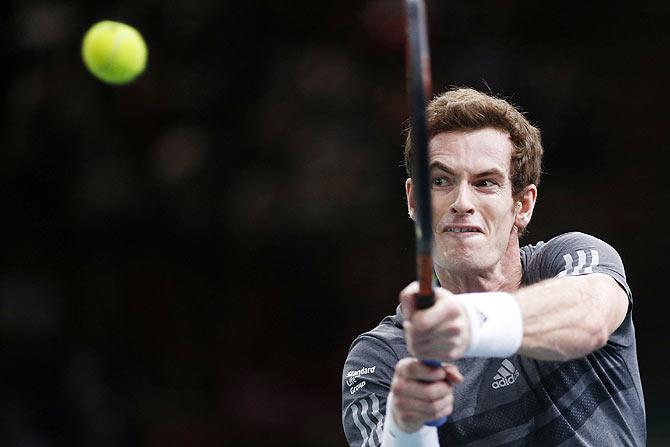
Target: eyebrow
<point>493,172</point>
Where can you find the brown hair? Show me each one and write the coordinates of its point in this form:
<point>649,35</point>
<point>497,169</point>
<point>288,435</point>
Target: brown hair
<point>467,109</point>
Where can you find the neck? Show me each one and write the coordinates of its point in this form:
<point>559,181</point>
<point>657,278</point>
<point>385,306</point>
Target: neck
<point>505,276</point>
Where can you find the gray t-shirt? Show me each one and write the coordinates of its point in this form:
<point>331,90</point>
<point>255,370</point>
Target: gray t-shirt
<point>596,400</point>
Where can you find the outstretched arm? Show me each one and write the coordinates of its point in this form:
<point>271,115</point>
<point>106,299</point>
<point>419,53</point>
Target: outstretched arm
<point>562,319</point>
<point>567,318</point>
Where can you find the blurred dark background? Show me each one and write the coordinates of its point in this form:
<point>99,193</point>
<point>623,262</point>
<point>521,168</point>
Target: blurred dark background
<point>186,259</point>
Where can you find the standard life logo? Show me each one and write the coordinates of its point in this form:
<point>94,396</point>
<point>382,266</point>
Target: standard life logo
<point>507,375</point>
<point>353,376</point>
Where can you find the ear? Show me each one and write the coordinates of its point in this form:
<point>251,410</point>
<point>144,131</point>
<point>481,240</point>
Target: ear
<point>409,193</point>
<point>524,206</point>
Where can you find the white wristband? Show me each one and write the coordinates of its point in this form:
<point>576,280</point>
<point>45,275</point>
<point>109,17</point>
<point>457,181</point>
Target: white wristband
<point>496,325</point>
<point>393,436</point>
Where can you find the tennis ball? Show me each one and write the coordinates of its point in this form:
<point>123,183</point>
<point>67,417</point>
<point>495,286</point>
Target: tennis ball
<point>114,52</point>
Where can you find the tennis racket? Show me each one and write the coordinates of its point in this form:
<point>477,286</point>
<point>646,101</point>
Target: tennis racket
<point>419,88</point>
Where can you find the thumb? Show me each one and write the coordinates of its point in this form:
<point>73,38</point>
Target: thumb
<point>408,299</point>
<point>454,376</point>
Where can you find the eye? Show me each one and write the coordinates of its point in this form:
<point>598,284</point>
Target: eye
<point>440,181</point>
<point>486,183</point>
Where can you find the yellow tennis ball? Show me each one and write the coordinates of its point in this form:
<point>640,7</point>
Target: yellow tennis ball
<point>114,52</point>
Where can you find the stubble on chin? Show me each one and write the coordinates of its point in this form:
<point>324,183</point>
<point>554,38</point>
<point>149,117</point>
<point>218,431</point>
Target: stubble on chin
<point>464,260</point>
<point>456,261</point>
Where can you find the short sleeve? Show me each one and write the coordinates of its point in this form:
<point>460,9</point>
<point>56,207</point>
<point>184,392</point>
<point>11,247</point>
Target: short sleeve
<point>366,381</point>
<point>574,254</point>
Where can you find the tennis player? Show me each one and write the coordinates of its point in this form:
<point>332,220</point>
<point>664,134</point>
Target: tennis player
<point>539,339</point>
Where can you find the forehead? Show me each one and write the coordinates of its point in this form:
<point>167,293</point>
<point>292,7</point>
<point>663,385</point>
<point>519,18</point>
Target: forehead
<point>472,150</point>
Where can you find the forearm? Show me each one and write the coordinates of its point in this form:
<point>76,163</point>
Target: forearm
<point>557,319</point>
<point>567,318</point>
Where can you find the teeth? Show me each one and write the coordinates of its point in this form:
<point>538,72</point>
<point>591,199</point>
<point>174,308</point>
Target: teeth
<point>461,230</point>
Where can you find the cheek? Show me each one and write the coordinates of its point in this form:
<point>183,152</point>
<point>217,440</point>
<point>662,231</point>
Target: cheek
<point>502,217</point>
<point>440,207</point>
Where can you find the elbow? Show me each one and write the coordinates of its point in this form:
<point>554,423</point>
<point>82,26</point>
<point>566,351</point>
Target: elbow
<point>600,339</point>
<point>592,336</point>
<point>597,329</point>
<point>597,335</point>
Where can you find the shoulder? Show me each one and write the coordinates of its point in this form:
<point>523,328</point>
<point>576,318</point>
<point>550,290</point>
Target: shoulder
<point>575,238</point>
<point>385,340</point>
<point>564,243</point>
<point>573,253</point>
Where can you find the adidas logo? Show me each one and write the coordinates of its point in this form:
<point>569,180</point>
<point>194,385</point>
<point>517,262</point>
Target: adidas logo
<point>507,375</point>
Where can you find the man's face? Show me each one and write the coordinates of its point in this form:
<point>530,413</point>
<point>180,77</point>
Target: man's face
<point>473,208</point>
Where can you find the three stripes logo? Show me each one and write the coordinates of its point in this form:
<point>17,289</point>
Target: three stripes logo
<point>584,265</point>
<point>368,419</point>
<point>507,375</point>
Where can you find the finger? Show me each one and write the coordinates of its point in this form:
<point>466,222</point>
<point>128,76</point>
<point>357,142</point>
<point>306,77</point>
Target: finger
<point>447,337</point>
<point>417,343</point>
<point>426,410</point>
<point>443,311</point>
<point>443,343</point>
<point>454,376</point>
<point>413,369</point>
<point>418,340</point>
<point>427,392</point>
<point>444,338</point>
<point>445,406</point>
<point>443,353</point>
<point>441,293</point>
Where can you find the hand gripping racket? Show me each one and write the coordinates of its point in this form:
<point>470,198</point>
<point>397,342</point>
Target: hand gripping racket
<point>419,88</point>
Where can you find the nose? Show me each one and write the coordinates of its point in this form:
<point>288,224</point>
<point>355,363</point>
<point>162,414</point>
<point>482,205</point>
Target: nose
<point>463,200</point>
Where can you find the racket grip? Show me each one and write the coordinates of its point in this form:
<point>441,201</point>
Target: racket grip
<point>437,422</point>
<point>424,301</point>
